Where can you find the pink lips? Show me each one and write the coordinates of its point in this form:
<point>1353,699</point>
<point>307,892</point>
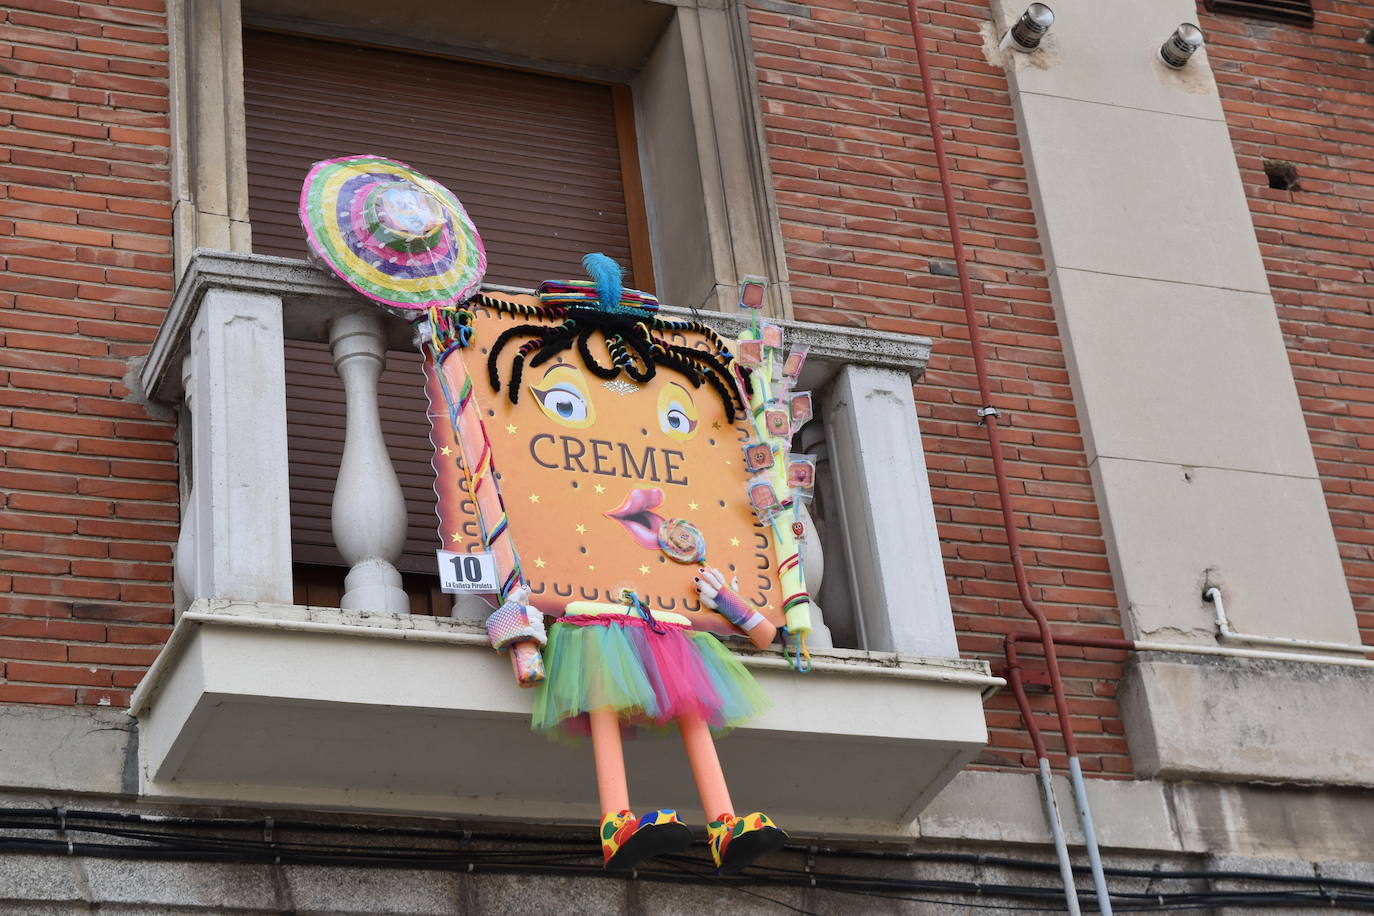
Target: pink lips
<point>637,515</point>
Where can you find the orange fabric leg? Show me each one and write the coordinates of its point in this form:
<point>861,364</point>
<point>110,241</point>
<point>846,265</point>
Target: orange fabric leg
<point>610,761</point>
<point>701,754</point>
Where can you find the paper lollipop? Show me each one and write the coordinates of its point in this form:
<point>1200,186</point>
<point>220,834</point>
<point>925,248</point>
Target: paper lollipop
<point>391,233</point>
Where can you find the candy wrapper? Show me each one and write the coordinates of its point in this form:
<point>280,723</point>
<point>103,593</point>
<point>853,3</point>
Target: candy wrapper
<point>772,335</point>
<point>753,291</point>
<point>749,353</point>
<point>758,456</point>
<point>801,472</point>
<point>800,408</point>
<point>777,421</point>
<point>796,358</point>
<point>763,498</point>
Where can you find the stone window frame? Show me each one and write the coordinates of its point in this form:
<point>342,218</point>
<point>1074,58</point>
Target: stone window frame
<point>712,216</point>
<point>700,73</point>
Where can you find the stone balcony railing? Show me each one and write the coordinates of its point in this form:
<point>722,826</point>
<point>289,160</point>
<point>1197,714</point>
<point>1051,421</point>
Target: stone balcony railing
<point>257,699</point>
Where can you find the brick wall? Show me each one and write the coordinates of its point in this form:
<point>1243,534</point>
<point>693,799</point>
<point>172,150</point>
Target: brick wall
<point>868,246</point>
<point>89,476</point>
<point>88,493</point>
<point>1302,96</point>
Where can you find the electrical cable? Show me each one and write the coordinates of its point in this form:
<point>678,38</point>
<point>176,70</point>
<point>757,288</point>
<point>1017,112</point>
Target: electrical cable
<point>158,837</point>
<point>73,816</point>
<point>682,870</point>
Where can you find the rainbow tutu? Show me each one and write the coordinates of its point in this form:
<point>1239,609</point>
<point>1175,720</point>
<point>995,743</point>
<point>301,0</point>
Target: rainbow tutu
<point>648,676</point>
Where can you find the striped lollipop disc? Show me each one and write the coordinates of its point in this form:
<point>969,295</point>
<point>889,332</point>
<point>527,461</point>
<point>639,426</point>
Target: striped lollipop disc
<point>391,233</point>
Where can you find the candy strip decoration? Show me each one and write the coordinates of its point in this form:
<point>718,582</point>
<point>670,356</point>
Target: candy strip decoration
<point>450,330</point>
<point>397,237</point>
<point>759,387</point>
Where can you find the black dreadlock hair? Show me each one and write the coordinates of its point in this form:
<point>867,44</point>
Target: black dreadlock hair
<point>630,340</point>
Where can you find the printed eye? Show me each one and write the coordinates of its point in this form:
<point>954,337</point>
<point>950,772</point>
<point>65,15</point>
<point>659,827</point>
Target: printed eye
<point>562,403</point>
<point>561,394</point>
<point>677,414</point>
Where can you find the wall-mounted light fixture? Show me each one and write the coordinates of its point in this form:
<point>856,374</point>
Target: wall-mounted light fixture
<point>1181,46</point>
<point>1030,27</point>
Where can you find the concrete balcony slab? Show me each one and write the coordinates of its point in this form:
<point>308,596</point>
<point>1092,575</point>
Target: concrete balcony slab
<point>291,705</point>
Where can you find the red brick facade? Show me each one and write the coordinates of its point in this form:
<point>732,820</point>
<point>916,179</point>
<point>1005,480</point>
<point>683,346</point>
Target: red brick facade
<point>868,245</point>
<point>89,476</point>
<point>1302,96</point>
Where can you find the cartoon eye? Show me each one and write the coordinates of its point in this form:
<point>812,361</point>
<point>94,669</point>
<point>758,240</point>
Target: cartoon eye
<point>562,395</point>
<point>677,413</point>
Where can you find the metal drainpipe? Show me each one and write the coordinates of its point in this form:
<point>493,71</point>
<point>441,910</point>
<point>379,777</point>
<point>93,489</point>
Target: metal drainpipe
<point>989,415</point>
<point>1042,759</point>
<point>1224,632</point>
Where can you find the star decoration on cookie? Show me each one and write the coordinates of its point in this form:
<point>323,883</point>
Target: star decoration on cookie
<point>692,506</point>
<point>599,488</point>
<point>453,537</point>
<point>534,497</point>
<point>581,529</point>
<point>539,562</point>
<point>446,451</point>
<point>643,570</point>
<point>734,542</point>
<point>512,428</point>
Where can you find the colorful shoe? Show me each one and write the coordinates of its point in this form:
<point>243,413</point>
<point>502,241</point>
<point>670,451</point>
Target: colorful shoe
<point>627,841</point>
<point>737,841</point>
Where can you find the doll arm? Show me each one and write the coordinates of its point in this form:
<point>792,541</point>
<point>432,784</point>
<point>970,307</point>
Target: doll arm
<point>515,621</point>
<point>711,587</point>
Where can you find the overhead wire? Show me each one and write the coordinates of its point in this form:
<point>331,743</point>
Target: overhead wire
<point>134,835</point>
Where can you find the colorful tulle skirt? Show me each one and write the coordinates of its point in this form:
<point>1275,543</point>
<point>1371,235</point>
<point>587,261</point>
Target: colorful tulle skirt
<point>648,675</point>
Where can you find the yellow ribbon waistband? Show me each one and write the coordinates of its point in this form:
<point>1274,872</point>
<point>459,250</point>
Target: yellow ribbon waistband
<point>579,608</point>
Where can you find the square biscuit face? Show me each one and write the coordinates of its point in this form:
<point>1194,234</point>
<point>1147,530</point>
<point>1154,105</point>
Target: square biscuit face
<point>597,475</point>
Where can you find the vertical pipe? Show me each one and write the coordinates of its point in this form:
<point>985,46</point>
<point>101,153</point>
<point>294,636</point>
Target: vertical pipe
<point>990,414</point>
<point>1080,796</point>
<point>1061,846</point>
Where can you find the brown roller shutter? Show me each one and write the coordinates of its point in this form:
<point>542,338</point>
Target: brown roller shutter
<point>535,159</point>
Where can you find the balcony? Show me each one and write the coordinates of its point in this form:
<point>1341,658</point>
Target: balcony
<point>256,699</point>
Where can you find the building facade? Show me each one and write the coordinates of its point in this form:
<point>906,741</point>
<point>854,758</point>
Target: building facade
<point>230,684</point>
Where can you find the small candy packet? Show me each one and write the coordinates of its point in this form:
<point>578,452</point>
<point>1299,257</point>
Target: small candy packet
<point>800,408</point>
<point>801,472</point>
<point>752,292</point>
<point>749,353</point>
<point>758,456</point>
<point>772,335</point>
<point>777,422</point>
<point>796,358</point>
<point>763,498</point>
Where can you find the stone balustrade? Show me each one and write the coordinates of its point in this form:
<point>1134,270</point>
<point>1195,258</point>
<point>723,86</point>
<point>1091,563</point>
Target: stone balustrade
<point>219,355</point>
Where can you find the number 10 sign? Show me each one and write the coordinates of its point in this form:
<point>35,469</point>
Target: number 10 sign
<point>466,572</point>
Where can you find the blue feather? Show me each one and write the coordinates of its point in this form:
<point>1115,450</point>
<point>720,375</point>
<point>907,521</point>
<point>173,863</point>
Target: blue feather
<point>608,277</point>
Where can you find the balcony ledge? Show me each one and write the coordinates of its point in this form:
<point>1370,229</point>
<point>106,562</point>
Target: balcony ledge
<point>312,297</point>
<point>283,704</point>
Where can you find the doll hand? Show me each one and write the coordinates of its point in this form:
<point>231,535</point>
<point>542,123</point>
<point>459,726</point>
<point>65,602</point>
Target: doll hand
<point>726,602</point>
<point>711,583</point>
<point>515,620</point>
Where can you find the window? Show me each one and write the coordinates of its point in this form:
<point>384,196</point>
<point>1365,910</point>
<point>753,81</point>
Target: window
<point>1298,11</point>
<point>684,75</point>
<point>546,166</point>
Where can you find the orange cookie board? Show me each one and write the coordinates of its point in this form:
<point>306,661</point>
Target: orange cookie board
<point>589,471</point>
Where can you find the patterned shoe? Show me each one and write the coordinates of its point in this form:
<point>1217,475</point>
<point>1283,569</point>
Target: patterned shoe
<point>737,841</point>
<point>627,841</point>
